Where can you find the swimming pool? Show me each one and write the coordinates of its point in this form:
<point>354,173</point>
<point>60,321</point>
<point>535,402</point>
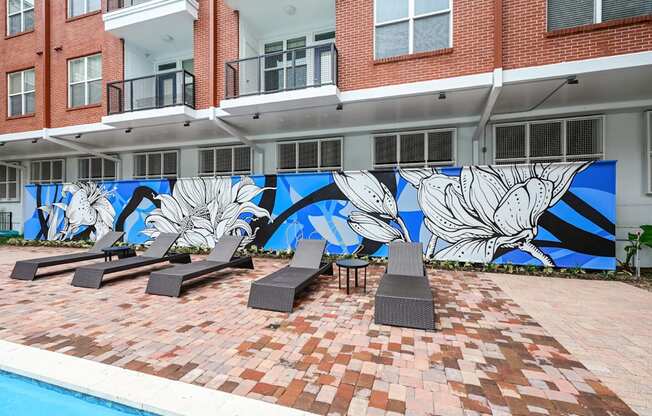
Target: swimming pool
<point>28,397</point>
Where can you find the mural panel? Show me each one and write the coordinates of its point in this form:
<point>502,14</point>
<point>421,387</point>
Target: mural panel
<point>556,215</point>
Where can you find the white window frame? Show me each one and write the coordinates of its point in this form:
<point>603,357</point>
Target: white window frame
<point>649,151</point>
<point>319,167</point>
<point>22,12</point>
<point>86,10</point>
<point>162,175</point>
<point>103,176</point>
<point>47,181</point>
<point>233,172</point>
<point>86,80</point>
<point>411,17</point>
<point>7,182</point>
<point>23,92</point>
<point>563,157</point>
<point>426,164</point>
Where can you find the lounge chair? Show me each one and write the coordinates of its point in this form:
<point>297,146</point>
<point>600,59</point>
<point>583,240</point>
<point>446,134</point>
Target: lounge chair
<point>168,282</point>
<point>91,276</point>
<point>277,291</point>
<point>26,269</point>
<point>404,297</point>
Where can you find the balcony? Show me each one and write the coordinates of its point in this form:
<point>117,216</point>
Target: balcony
<point>167,97</point>
<point>154,26</point>
<point>287,79</point>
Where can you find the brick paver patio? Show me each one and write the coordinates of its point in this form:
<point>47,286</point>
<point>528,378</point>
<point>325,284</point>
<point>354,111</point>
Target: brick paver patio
<point>487,356</point>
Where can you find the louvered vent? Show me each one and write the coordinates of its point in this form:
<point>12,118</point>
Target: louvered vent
<point>412,148</point>
<point>510,142</point>
<point>440,146</point>
<point>242,159</point>
<point>287,156</point>
<point>331,154</point>
<point>223,161</point>
<point>545,140</point>
<point>385,150</point>
<point>308,155</point>
<point>206,166</point>
<point>170,164</point>
<point>584,139</point>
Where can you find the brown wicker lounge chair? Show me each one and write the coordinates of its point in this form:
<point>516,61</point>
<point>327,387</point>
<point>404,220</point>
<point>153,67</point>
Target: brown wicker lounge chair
<point>26,269</point>
<point>91,276</point>
<point>168,282</point>
<point>404,297</point>
<point>277,291</point>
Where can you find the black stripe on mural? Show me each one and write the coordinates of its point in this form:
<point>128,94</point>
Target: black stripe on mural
<point>574,238</point>
<point>140,193</point>
<point>588,212</point>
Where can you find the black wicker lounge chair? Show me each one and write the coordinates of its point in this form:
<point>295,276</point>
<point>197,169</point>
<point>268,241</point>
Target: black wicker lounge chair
<point>277,291</point>
<point>26,269</point>
<point>168,282</point>
<point>91,276</point>
<point>404,297</point>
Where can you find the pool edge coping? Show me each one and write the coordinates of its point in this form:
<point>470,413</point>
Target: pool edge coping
<point>127,387</point>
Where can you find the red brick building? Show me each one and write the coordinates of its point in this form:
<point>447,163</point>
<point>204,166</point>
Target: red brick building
<point>146,89</point>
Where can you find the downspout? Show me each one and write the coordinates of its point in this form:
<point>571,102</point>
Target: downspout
<point>496,88</point>
<point>47,117</point>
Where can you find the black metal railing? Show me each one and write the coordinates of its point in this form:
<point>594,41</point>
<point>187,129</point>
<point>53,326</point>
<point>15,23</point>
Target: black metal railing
<point>112,5</point>
<point>292,69</point>
<point>155,91</point>
<point>6,221</point>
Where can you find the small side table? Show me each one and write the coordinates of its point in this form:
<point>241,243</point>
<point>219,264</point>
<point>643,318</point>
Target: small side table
<point>351,264</point>
<point>121,252</point>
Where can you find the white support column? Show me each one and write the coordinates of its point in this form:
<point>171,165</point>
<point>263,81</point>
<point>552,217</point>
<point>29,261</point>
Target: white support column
<point>496,88</point>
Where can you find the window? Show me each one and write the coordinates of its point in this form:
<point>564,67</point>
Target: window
<point>9,183</point>
<point>20,16</point>
<point>309,155</point>
<point>47,171</point>
<point>82,7</point>
<point>96,169</point>
<point>649,152</point>
<point>549,141</point>
<point>286,70</point>
<point>155,165</point>
<point>415,149</point>
<point>572,13</point>
<point>85,81</point>
<point>225,161</point>
<point>412,26</point>
<point>21,87</point>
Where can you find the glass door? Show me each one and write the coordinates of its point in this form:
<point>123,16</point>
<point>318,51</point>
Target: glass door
<point>167,89</point>
<point>287,70</point>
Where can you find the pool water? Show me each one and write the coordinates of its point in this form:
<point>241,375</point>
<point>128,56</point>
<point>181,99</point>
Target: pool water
<point>21,396</point>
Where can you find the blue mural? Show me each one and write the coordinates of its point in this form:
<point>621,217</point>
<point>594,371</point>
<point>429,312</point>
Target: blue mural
<point>555,215</point>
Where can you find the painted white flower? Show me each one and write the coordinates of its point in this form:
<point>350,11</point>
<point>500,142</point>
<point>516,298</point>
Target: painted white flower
<point>88,206</point>
<point>202,210</point>
<point>372,198</point>
<point>487,208</point>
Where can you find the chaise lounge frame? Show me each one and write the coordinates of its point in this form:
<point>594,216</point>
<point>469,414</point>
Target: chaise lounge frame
<point>277,291</point>
<point>91,276</point>
<point>404,297</point>
<point>26,269</point>
<point>168,282</point>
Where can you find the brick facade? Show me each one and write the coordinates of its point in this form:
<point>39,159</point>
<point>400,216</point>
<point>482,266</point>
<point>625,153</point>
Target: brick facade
<point>476,49</point>
<point>526,41</point>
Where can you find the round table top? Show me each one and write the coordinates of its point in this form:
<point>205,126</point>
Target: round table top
<point>352,263</point>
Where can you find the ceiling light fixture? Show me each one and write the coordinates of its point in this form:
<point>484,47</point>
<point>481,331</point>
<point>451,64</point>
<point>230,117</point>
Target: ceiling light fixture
<point>128,130</point>
<point>78,136</point>
<point>340,107</point>
<point>256,116</point>
<point>186,124</point>
<point>35,141</point>
<point>572,80</point>
<point>442,95</point>
<point>2,144</point>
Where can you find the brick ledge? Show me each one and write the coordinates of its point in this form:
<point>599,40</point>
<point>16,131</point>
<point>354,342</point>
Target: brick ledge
<point>414,56</point>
